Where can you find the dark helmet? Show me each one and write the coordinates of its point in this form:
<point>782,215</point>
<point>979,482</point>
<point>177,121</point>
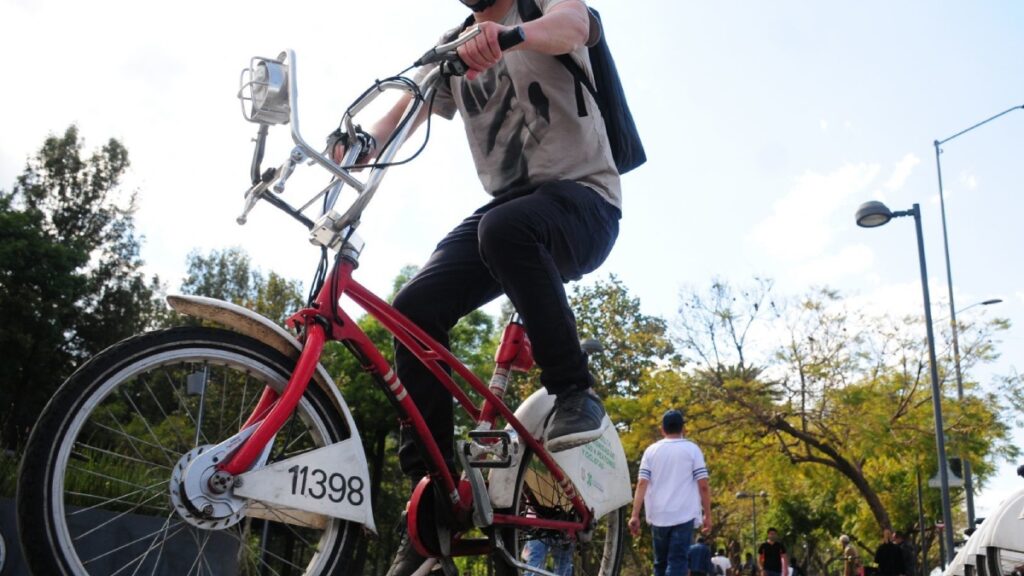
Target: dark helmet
<point>478,5</point>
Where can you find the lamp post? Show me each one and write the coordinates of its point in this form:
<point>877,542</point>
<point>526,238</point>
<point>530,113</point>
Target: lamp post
<point>753,500</point>
<point>871,215</point>
<point>968,482</point>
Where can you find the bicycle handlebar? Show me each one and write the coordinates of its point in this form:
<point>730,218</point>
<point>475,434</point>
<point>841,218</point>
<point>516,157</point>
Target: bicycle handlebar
<point>265,84</point>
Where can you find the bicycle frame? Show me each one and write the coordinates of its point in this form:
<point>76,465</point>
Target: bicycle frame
<point>317,328</point>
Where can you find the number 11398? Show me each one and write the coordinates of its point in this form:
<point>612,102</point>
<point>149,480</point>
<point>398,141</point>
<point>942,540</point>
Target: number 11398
<point>318,484</point>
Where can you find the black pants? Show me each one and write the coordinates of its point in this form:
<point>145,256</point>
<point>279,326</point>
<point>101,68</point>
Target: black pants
<point>525,244</point>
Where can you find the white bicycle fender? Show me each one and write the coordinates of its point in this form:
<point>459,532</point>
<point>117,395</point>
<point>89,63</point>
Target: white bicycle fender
<point>251,324</point>
<point>598,470</point>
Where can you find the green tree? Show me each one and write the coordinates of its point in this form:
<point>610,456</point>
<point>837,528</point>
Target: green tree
<point>634,343</point>
<point>843,397</point>
<point>229,275</point>
<point>71,282</point>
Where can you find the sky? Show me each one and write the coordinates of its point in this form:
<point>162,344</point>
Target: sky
<point>766,125</point>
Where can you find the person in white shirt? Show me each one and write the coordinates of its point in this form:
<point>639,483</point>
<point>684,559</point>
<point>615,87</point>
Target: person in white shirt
<point>721,561</point>
<point>673,487</point>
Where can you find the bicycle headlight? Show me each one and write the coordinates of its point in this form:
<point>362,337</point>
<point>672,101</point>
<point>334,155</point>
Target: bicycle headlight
<point>264,85</point>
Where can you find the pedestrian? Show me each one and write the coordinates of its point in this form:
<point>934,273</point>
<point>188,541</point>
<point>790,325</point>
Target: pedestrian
<point>909,553</point>
<point>673,486</point>
<point>795,569</point>
<point>723,567</point>
<point>750,566</point>
<point>851,559</point>
<point>771,555</point>
<point>699,558</point>
<point>888,556</point>
<point>735,557</point>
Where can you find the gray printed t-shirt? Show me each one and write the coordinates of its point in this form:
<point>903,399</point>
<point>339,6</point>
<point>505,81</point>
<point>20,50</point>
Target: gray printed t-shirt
<point>522,123</point>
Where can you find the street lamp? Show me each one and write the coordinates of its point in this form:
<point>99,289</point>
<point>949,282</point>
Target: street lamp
<point>753,500</point>
<point>871,215</point>
<point>969,484</point>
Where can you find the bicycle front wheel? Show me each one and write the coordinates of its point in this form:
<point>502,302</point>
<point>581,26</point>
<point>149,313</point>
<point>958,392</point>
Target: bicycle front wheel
<point>94,491</point>
<point>596,553</point>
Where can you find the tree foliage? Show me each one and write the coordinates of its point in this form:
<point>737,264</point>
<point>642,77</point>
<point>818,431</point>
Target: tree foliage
<point>229,275</point>
<point>71,280</point>
<point>836,401</point>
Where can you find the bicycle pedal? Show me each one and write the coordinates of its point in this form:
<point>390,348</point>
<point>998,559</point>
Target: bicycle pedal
<point>492,449</point>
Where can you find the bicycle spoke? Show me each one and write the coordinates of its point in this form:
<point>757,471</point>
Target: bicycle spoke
<point>160,407</point>
<point>120,430</point>
<point>141,558</point>
<point>284,451</point>
<point>115,518</point>
<point>131,439</point>
<point>263,562</point>
<point>109,500</point>
<point>104,476</point>
<point>145,422</point>
<point>183,401</point>
<point>283,517</point>
<point>133,542</point>
<point>199,557</point>
<point>119,455</point>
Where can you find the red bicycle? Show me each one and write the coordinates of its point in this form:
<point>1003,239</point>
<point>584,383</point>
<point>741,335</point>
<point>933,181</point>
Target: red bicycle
<point>202,450</point>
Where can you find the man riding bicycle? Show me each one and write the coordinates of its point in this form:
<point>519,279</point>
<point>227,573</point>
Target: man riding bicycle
<point>541,150</point>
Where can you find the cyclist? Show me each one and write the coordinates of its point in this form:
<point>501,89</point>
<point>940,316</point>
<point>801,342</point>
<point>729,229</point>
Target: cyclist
<point>540,149</point>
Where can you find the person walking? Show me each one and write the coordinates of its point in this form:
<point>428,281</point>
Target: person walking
<point>851,559</point>
<point>888,556</point>
<point>771,556</point>
<point>723,567</point>
<point>699,559</point>
<point>673,487</point>
<point>909,553</point>
<point>749,566</point>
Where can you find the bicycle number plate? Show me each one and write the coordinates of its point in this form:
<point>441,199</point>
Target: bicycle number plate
<point>332,481</point>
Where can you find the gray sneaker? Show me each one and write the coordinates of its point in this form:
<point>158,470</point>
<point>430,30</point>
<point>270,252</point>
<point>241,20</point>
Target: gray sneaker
<point>578,418</point>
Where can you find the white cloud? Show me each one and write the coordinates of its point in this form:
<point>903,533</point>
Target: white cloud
<point>830,269</point>
<point>802,224</point>
<point>823,124</point>
<point>902,171</point>
<point>968,180</point>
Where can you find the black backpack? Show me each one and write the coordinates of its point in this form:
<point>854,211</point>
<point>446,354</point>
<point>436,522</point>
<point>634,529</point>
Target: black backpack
<point>627,149</point>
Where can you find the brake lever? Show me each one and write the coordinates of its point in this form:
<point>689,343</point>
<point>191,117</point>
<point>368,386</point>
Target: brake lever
<point>439,53</point>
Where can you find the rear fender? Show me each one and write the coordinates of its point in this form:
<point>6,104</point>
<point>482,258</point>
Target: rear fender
<point>598,470</point>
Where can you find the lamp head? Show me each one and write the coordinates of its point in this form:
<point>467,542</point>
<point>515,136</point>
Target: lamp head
<point>873,214</point>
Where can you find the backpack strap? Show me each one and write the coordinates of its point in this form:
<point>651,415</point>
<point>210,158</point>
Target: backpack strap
<point>528,10</point>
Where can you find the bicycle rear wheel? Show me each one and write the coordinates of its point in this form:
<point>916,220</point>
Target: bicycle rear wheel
<point>597,553</point>
<point>94,495</point>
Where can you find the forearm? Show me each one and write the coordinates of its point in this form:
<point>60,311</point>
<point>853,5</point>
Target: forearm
<point>705,496</point>
<point>560,31</point>
<point>638,497</point>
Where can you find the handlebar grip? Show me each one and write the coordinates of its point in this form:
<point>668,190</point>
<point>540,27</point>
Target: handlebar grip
<point>510,38</point>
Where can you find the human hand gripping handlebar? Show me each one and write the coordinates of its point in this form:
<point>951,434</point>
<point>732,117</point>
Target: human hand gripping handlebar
<point>448,56</point>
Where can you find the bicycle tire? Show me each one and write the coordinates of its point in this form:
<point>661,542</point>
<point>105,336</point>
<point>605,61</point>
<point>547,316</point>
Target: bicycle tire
<point>89,479</point>
<point>536,491</point>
